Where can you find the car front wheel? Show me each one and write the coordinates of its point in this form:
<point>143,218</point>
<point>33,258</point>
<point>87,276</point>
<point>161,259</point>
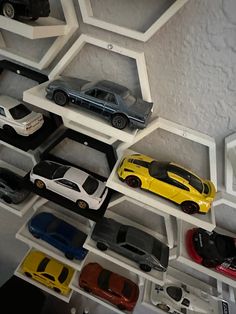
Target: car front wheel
<point>133,182</point>
<point>145,267</point>
<point>57,290</point>
<point>101,246</point>
<point>82,204</point>
<point>119,121</point>
<point>28,274</point>
<point>9,130</point>
<point>7,199</point>
<point>163,307</point>
<point>8,10</point>
<point>190,207</point>
<point>39,184</point>
<point>60,98</point>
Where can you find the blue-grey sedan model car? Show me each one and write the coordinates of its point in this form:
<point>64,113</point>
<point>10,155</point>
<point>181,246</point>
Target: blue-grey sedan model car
<point>59,234</point>
<point>110,100</point>
<point>132,243</point>
<point>12,189</point>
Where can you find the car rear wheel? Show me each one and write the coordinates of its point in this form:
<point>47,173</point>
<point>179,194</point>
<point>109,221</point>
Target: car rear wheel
<point>101,246</point>
<point>119,121</point>
<point>145,267</point>
<point>133,182</point>
<point>69,256</point>
<point>28,274</point>
<point>163,307</point>
<point>56,289</point>
<point>7,199</point>
<point>209,264</point>
<point>8,10</point>
<point>60,98</point>
<point>87,289</point>
<point>82,204</point>
<point>39,184</point>
<point>9,130</point>
<point>190,207</point>
<point>36,235</point>
<point>121,307</point>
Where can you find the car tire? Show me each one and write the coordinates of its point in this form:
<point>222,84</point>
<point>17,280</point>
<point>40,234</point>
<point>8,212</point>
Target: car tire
<point>8,129</point>
<point>39,184</point>
<point>121,307</point>
<point>8,10</point>
<point>82,204</point>
<point>209,264</point>
<point>60,98</point>
<point>87,289</point>
<point>34,18</point>
<point>36,236</point>
<point>133,182</point>
<point>145,267</point>
<point>101,246</point>
<point>190,207</point>
<point>56,289</point>
<point>7,199</point>
<point>119,121</point>
<point>163,307</point>
<point>28,274</point>
<point>69,256</point>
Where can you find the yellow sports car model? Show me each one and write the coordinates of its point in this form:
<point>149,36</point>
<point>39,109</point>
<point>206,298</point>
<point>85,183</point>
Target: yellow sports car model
<point>168,180</point>
<point>48,271</point>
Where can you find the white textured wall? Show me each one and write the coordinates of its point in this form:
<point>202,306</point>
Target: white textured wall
<point>192,68</point>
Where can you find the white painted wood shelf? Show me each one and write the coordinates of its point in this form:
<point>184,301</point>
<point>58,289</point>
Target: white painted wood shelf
<point>18,272</point>
<point>185,259</point>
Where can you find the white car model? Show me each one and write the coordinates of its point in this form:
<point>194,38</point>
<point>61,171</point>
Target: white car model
<point>15,117</point>
<point>69,182</point>
<point>176,299</point>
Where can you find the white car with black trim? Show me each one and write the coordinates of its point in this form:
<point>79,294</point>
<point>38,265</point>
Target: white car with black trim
<point>69,182</point>
<point>15,117</point>
<point>177,299</point>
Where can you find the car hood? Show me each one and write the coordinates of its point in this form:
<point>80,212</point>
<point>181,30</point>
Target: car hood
<point>106,230</point>
<point>141,107</point>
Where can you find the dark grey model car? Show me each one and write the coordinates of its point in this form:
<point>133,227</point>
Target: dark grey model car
<point>114,102</point>
<point>132,243</point>
<point>11,189</point>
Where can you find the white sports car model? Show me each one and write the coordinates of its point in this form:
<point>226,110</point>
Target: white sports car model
<point>176,299</point>
<point>15,117</point>
<point>69,182</point>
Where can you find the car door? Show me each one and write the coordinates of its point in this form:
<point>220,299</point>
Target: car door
<point>165,187</point>
<point>111,105</point>
<point>96,99</point>
<point>131,252</point>
<point>67,189</point>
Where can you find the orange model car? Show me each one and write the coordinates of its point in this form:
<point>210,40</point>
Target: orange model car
<point>112,287</point>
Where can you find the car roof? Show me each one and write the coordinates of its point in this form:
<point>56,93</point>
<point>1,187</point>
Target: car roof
<point>112,87</point>
<point>139,239</point>
<point>8,102</point>
<point>75,175</point>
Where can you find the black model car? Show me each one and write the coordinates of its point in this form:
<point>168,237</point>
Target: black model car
<point>32,9</point>
<point>132,243</point>
<point>110,100</point>
<point>11,187</point>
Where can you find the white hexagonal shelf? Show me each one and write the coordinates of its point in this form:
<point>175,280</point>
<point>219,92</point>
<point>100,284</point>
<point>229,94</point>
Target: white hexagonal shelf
<point>89,18</point>
<point>230,163</point>
<point>43,28</point>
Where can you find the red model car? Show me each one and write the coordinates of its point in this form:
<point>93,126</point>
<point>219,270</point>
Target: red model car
<point>112,287</point>
<point>212,250</point>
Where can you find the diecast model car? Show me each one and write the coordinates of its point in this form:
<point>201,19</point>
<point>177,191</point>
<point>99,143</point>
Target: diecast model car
<point>132,243</point>
<point>174,298</point>
<point>58,233</point>
<point>110,286</point>
<point>11,187</point>
<point>69,182</point>
<point>48,271</point>
<point>15,117</point>
<point>110,100</point>
<point>168,180</point>
<point>212,250</point>
<point>32,9</point>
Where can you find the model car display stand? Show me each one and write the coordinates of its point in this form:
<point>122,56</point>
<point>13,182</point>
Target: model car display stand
<point>22,208</point>
<point>184,258</point>
<point>18,272</point>
<point>193,285</point>
<point>84,121</point>
<point>89,18</point>
<point>114,267</point>
<point>230,163</point>
<point>42,28</point>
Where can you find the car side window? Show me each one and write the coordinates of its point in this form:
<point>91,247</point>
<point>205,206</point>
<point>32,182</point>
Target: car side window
<point>2,112</point>
<point>110,98</point>
<point>50,277</point>
<point>174,183</point>
<point>69,184</point>
<point>91,92</point>
<point>132,249</point>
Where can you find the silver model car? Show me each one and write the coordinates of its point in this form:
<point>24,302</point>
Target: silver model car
<point>110,100</point>
<point>11,189</point>
<point>132,243</point>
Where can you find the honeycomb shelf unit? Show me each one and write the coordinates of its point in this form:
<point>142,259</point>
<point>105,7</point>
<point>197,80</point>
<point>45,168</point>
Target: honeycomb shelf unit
<point>156,203</point>
<point>25,236</point>
<point>154,275</point>
<point>183,257</point>
<point>18,272</point>
<point>89,18</point>
<point>107,264</point>
<point>22,208</point>
<point>230,163</point>
<point>60,31</point>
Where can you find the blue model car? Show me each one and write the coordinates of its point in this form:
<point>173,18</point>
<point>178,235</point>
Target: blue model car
<point>58,233</point>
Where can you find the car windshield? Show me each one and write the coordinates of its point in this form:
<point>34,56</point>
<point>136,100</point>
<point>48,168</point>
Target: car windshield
<point>78,239</point>
<point>20,111</point>
<point>128,99</point>
<point>11,179</point>
<point>127,290</point>
<point>59,172</point>
<point>157,249</point>
<point>90,185</point>
<point>121,235</point>
<point>103,279</point>
<point>53,226</point>
<point>43,264</point>
<point>63,275</point>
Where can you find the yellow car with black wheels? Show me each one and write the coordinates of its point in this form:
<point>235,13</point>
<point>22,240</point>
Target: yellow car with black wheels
<point>48,271</point>
<point>169,180</point>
